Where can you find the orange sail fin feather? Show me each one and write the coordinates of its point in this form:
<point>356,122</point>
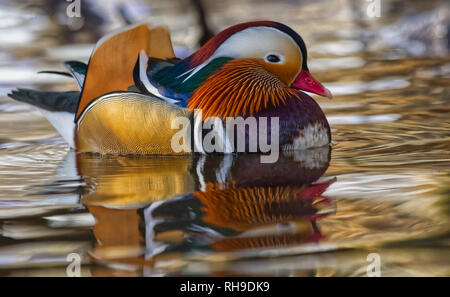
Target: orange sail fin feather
<point>112,62</point>
<point>240,87</point>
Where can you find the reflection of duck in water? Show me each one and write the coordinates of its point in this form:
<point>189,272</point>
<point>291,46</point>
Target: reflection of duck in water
<point>172,205</point>
<point>235,218</point>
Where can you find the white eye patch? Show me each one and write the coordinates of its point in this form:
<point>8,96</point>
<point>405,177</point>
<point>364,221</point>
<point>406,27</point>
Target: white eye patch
<point>258,42</point>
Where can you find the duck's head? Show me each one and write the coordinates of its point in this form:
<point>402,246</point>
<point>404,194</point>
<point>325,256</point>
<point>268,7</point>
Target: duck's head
<point>247,67</point>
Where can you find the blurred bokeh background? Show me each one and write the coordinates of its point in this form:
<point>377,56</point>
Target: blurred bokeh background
<point>390,76</point>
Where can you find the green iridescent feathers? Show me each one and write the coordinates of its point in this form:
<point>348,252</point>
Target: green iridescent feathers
<point>173,83</point>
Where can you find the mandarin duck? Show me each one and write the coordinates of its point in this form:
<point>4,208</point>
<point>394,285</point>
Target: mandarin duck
<point>133,88</point>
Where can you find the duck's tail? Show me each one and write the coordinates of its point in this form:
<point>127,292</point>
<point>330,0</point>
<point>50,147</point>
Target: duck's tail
<point>58,107</point>
<point>50,101</point>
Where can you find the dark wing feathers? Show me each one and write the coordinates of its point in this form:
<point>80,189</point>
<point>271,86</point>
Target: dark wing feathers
<point>55,72</point>
<point>76,66</point>
<point>78,71</point>
<point>51,101</point>
<point>55,101</point>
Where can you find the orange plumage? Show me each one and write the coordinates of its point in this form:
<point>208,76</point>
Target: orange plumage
<point>241,87</point>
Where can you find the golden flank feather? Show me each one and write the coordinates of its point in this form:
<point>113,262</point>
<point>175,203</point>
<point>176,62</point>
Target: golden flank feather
<point>112,62</point>
<point>240,88</point>
<point>128,123</point>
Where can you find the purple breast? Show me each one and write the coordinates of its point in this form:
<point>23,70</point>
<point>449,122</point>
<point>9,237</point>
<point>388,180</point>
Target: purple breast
<point>302,123</point>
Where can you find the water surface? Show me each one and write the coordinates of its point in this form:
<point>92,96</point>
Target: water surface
<point>383,187</point>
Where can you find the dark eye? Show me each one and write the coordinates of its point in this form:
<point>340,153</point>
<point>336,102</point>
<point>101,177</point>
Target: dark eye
<point>273,58</point>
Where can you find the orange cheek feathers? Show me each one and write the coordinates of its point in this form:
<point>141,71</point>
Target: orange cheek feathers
<point>285,72</point>
<point>241,87</point>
